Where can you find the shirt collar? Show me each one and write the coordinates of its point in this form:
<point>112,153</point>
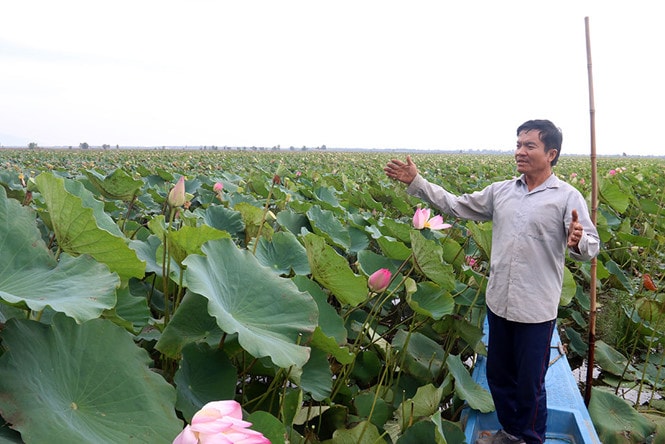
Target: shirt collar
<point>551,182</point>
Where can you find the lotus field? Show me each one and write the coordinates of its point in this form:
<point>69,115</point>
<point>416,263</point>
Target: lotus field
<point>137,286</point>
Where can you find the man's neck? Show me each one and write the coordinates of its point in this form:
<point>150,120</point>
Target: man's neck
<point>533,182</point>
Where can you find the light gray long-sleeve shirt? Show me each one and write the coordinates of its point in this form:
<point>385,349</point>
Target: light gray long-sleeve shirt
<point>529,240</point>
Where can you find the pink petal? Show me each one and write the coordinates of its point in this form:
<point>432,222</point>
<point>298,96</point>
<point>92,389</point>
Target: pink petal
<point>436,223</point>
<point>187,436</point>
<point>420,218</point>
<point>223,408</point>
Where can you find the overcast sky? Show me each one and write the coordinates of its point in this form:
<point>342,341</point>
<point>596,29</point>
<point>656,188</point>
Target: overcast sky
<point>363,73</point>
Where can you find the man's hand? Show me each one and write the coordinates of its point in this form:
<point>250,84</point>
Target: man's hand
<point>575,231</point>
<point>404,172</point>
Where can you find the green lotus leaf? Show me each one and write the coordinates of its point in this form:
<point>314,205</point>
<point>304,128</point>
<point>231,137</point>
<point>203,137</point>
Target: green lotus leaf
<point>467,389</point>
<point>190,323</point>
<point>569,288</point>
<point>431,300</point>
<point>362,199</point>
<point>332,271</point>
<point>252,217</point>
<point>130,312</point>
<point>224,219</point>
<point>612,195</point>
<point>188,240</point>
<point>393,249</point>
<point>271,427</point>
<point>327,195</point>
<point>397,229</point>
<point>89,382</point>
<point>79,287</point>
<point>330,322</point>
<point>205,374</point>
<point>292,402</point>
<point>117,185</point>
<point>151,252</point>
<point>425,403</point>
<point>317,378</point>
<point>453,253</point>
<point>268,312</point>
<point>82,227</point>
<point>421,432</point>
<point>363,433</point>
<point>292,221</point>
<point>376,409</point>
<point>283,254</point>
<point>616,421</point>
<point>359,240</point>
<point>577,343</point>
<point>448,429</point>
<point>370,262</point>
<point>324,223</point>
<point>451,326</point>
<point>482,234</point>
<point>428,255</point>
<point>612,361</point>
<point>423,357</point>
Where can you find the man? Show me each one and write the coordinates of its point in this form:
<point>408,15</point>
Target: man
<point>535,218</point>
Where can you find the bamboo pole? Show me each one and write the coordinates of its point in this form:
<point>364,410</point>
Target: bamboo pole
<point>594,208</point>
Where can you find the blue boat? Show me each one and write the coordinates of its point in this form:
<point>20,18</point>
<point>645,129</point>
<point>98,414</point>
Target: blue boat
<point>568,419</point>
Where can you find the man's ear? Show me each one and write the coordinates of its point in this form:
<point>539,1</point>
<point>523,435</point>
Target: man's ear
<point>551,154</point>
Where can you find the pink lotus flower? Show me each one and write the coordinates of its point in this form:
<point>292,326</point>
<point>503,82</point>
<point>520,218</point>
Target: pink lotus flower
<point>220,422</point>
<point>422,220</point>
<point>218,188</point>
<point>177,194</point>
<point>613,172</point>
<point>379,280</point>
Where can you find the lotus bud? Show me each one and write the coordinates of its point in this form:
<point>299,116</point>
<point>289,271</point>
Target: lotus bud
<point>379,280</point>
<point>177,194</point>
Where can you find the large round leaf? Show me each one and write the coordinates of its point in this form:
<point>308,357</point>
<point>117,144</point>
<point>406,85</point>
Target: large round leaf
<point>616,421</point>
<point>79,287</point>
<point>190,323</point>
<point>82,226</point>
<point>466,388</point>
<point>333,272</point>
<point>205,375</point>
<point>568,289</point>
<point>283,253</point>
<point>428,255</point>
<point>431,300</point>
<point>87,382</point>
<point>325,224</point>
<point>423,357</point>
<point>268,312</point>
<point>117,185</point>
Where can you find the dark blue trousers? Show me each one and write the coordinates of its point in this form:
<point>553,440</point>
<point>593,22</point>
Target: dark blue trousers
<point>517,359</point>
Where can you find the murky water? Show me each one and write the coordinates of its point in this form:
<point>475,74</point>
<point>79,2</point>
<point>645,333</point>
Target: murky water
<point>629,394</point>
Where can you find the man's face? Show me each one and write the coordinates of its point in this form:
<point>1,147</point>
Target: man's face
<point>530,154</point>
